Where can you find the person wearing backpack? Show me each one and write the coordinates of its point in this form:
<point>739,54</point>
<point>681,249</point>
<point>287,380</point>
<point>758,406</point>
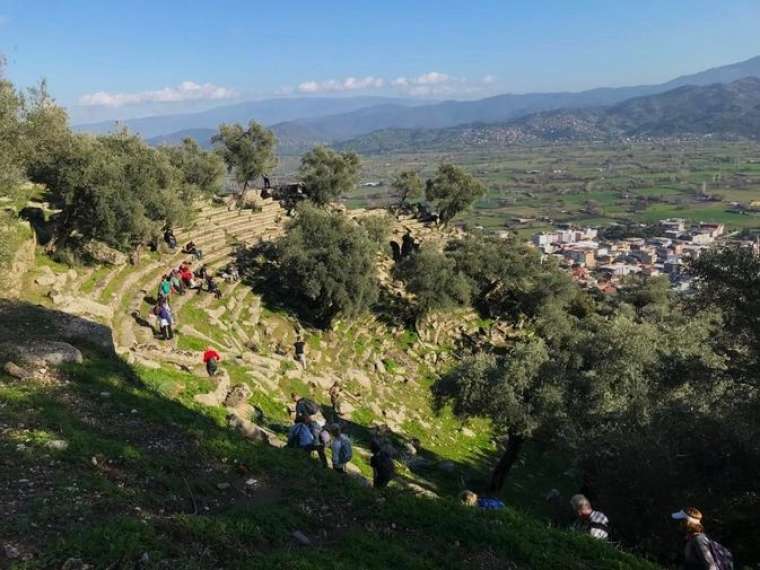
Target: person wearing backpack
<point>303,407</point>
<point>342,451</point>
<point>700,552</point>
<point>305,435</point>
<point>589,521</point>
<point>383,469</point>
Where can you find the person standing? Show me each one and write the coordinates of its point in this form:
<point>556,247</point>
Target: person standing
<point>336,399</point>
<point>701,553</point>
<point>383,469</point>
<point>590,522</point>
<point>342,451</point>
<point>300,349</point>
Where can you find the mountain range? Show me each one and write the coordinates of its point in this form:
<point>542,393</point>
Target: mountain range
<point>299,123</point>
<point>726,110</point>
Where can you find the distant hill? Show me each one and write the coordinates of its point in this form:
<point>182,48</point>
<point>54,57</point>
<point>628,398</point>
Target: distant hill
<point>268,112</point>
<point>305,121</point>
<point>201,136</point>
<point>500,108</point>
<point>721,110</point>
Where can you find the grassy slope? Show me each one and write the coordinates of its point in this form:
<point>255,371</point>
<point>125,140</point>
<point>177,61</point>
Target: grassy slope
<point>142,474</point>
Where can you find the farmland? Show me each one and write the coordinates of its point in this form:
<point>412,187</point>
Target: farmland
<point>593,184</point>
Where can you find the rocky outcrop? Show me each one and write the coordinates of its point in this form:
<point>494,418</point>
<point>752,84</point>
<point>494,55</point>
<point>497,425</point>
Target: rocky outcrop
<point>103,253</point>
<point>40,353</point>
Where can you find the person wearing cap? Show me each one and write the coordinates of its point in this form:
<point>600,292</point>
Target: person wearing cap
<point>697,552</point>
<point>590,522</point>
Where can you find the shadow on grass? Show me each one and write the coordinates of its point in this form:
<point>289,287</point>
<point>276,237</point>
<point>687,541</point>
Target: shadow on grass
<point>144,477</point>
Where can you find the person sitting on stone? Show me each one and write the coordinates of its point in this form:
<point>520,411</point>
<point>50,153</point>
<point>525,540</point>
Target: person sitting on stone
<point>212,287</point>
<point>590,522</point>
<point>470,499</point>
<point>336,399</point>
<point>169,238</point>
<point>192,249</point>
<point>211,359</point>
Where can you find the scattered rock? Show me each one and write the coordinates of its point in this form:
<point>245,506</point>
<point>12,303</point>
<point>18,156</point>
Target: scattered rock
<point>247,429</point>
<point>301,538</point>
<point>237,395</point>
<point>103,253</point>
<point>16,371</point>
<point>39,353</point>
<point>409,449</point>
<point>222,486</point>
<point>57,444</point>
<point>379,366</point>
<point>46,278</point>
<point>360,377</point>
<point>467,432</point>
<point>105,394</point>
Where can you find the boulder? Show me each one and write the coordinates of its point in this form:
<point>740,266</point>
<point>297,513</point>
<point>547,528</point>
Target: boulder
<point>13,369</point>
<point>360,377</point>
<point>46,277</point>
<point>103,253</point>
<point>237,395</point>
<point>41,353</point>
<point>247,429</point>
<point>82,306</point>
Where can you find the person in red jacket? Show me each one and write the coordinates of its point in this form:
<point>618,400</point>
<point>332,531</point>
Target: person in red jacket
<point>211,359</point>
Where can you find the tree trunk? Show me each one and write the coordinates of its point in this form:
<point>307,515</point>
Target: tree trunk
<point>511,453</point>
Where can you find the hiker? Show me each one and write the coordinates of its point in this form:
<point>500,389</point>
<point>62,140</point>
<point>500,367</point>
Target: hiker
<point>407,244</point>
<point>591,522</point>
<point>470,499</point>
<point>177,284</point>
<point>306,435</point>
<point>299,346</point>
<point>230,273</point>
<point>165,288</point>
<point>169,238</point>
<point>396,250</point>
<point>213,287</point>
<point>267,183</point>
<point>164,315</point>
<point>211,359</point>
<point>383,469</point>
<point>303,407</point>
<point>336,399</point>
<point>191,249</point>
<point>701,553</point>
<point>342,452</point>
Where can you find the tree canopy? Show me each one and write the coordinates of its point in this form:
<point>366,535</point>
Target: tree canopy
<point>451,191</point>
<point>407,186</point>
<point>248,152</point>
<point>327,174</point>
<point>201,170</point>
<point>327,265</point>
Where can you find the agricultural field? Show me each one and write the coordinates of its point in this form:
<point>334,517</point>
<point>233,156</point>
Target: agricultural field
<point>529,188</point>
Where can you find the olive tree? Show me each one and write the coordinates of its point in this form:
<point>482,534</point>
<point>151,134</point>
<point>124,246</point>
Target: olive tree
<point>248,152</point>
<point>451,191</point>
<point>326,266</point>
<point>327,174</point>
<point>407,186</point>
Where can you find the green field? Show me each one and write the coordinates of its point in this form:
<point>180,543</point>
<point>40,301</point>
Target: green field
<point>588,183</point>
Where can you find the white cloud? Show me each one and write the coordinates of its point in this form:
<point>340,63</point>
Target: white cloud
<point>489,79</point>
<point>185,91</point>
<point>347,84</point>
<point>432,78</point>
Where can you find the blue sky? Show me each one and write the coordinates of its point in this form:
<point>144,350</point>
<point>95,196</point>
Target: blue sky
<point>108,59</point>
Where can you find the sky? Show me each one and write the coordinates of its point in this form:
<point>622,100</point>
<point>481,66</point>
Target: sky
<point>108,60</point>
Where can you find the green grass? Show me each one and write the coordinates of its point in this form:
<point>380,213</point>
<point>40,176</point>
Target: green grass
<point>142,475</point>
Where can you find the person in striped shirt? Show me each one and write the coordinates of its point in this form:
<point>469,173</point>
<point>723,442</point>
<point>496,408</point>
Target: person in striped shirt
<point>591,522</point>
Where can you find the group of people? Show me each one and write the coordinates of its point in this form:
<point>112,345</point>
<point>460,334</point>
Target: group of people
<point>181,279</point>
<point>312,435</point>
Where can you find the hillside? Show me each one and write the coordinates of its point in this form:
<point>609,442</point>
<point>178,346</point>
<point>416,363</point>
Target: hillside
<point>129,457</point>
<point>731,110</point>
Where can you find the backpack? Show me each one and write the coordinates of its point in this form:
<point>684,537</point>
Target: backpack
<point>295,435</point>
<point>346,452</point>
<point>723,557</point>
<point>305,407</point>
